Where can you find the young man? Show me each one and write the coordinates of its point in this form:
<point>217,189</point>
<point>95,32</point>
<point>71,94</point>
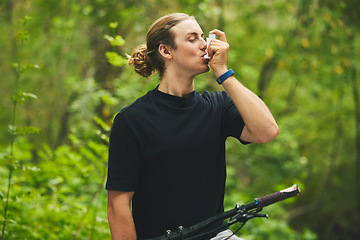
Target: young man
<point>167,149</point>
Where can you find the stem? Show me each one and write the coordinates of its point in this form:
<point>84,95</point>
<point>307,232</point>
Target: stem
<point>13,130</point>
<point>6,202</point>
<point>13,135</point>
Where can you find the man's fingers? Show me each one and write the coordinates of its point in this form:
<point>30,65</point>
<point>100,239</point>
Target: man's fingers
<point>220,34</point>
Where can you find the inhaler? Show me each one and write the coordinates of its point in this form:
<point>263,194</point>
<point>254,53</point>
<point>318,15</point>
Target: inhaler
<point>211,36</point>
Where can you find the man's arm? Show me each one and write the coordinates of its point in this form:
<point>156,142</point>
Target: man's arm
<point>119,215</point>
<point>260,126</point>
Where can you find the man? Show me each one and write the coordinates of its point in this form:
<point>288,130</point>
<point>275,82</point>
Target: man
<point>167,149</point>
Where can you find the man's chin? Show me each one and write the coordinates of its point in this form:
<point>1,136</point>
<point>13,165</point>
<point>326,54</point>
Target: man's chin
<point>206,68</point>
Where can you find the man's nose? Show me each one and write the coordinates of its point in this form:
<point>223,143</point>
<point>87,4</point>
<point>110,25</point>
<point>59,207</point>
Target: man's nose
<point>203,44</point>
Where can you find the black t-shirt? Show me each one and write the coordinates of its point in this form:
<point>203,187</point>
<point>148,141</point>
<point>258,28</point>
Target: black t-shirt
<point>170,151</point>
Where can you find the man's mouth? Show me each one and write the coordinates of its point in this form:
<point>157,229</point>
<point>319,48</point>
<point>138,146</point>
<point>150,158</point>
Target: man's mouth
<point>206,56</point>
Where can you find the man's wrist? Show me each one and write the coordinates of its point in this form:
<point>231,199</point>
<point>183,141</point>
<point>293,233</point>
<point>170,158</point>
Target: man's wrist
<point>225,76</point>
<point>220,71</point>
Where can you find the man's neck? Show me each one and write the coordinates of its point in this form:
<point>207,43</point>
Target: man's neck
<point>178,85</point>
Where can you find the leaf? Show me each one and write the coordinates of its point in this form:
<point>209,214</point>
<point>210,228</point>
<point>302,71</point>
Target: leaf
<point>20,68</point>
<point>102,124</point>
<point>11,128</point>
<point>21,97</point>
<point>15,65</point>
<point>25,20</point>
<point>31,66</point>
<point>109,100</point>
<point>9,158</point>
<point>117,41</point>
<point>109,38</point>
<point>113,25</point>
<point>11,162</point>
<point>23,35</point>
<point>23,130</point>
<point>115,59</point>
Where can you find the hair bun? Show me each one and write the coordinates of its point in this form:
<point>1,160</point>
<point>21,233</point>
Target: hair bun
<point>141,61</point>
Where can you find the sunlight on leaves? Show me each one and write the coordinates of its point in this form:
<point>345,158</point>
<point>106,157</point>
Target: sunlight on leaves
<point>115,59</point>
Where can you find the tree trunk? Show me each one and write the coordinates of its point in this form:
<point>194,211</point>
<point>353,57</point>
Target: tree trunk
<point>266,75</point>
<point>356,97</point>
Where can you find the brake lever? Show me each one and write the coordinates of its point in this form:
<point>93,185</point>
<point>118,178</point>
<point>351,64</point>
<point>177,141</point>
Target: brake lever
<point>245,216</point>
<point>260,215</point>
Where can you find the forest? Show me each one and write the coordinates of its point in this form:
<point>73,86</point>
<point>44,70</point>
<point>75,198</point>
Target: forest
<point>64,77</point>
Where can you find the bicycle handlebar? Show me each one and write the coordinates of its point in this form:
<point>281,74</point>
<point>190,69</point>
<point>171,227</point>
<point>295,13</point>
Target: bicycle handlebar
<point>279,196</point>
<point>267,200</point>
<point>238,214</point>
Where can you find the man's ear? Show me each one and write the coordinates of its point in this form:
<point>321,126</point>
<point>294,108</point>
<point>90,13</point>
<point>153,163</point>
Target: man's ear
<point>165,51</point>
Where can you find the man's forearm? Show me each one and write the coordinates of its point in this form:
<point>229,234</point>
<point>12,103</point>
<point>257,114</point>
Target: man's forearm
<point>121,224</point>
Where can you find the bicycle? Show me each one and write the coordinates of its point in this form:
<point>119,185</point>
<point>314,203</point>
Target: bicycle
<point>241,213</point>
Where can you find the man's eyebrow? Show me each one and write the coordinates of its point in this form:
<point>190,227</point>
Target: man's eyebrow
<point>195,34</point>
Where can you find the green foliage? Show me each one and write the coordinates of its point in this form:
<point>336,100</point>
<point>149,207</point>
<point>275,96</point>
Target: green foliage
<point>23,130</point>
<point>11,163</point>
<point>21,69</point>
<point>115,59</point>
<point>50,197</point>
<point>21,97</point>
<point>117,41</point>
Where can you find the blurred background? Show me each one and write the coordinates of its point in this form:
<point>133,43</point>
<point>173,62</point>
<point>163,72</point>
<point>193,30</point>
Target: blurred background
<point>64,77</point>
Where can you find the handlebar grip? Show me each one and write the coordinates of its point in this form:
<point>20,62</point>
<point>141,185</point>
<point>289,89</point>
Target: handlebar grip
<point>278,196</point>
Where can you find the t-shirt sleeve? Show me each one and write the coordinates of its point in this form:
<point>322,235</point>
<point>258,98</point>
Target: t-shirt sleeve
<point>124,155</point>
<point>233,123</point>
